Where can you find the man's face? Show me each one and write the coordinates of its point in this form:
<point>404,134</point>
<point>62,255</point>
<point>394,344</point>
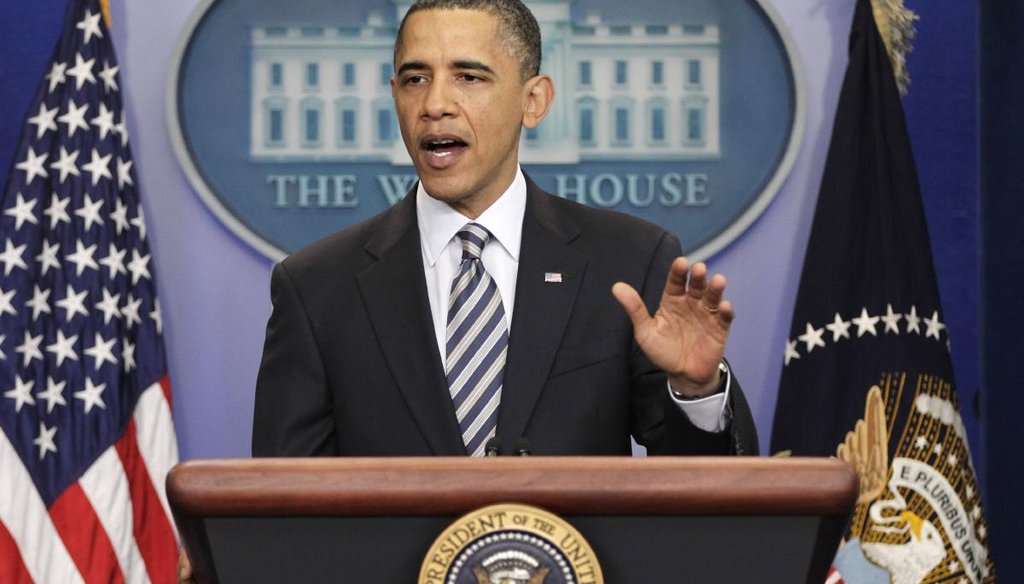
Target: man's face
<point>461,104</point>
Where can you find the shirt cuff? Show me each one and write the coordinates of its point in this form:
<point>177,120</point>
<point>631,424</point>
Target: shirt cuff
<point>710,413</point>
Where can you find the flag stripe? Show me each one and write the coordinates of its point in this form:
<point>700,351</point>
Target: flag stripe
<point>165,385</point>
<point>106,486</point>
<point>155,436</point>
<point>12,569</point>
<point>834,577</point>
<point>84,537</point>
<point>151,526</point>
<point>25,517</point>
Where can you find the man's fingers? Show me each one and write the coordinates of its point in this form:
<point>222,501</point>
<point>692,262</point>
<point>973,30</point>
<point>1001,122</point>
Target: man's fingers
<point>712,292</point>
<point>726,313</point>
<point>698,280</point>
<point>631,303</point>
<point>683,279</point>
<point>185,575</point>
<point>677,274</point>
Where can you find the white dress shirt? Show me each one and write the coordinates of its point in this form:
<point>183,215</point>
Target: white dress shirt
<point>439,225</point>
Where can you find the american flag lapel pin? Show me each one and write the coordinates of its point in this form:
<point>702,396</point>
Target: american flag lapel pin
<point>553,277</point>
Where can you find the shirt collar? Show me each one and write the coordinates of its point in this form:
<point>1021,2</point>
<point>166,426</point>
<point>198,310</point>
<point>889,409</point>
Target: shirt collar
<point>439,223</point>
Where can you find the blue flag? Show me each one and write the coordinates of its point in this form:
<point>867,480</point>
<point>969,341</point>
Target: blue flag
<point>867,374</point>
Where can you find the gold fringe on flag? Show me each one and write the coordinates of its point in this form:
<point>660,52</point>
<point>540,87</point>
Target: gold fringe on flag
<point>896,25</point>
<point>105,8</point>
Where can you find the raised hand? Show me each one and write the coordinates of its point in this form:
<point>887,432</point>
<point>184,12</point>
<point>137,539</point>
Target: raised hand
<point>686,336</point>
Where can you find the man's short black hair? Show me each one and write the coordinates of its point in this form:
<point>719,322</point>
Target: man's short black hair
<point>516,24</point>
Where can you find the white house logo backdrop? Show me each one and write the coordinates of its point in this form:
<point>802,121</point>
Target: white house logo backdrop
<point>687,114</point>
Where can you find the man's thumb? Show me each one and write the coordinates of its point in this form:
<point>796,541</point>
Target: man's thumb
<point>631,303</point>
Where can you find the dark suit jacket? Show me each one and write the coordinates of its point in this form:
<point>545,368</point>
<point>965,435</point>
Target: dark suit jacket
<point>351,366</point>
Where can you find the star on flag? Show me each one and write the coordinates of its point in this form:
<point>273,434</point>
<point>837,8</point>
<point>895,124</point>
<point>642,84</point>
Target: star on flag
<point>895,323</point>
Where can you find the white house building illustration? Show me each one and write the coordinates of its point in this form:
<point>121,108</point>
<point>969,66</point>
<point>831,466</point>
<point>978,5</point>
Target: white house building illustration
<point>636,91</point>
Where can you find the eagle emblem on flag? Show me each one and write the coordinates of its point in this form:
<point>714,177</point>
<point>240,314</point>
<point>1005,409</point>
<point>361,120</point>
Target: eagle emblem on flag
<point>918,514</point>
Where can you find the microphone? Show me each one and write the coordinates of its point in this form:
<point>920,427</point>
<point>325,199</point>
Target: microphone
<point>493,447</point>
<point>522,447</point>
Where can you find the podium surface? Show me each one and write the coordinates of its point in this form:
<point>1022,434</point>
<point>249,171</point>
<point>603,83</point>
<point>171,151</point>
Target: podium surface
<point>665,519</point>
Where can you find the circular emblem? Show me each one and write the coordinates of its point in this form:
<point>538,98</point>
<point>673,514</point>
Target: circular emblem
<point>686,114</point>
<point>510,544</point>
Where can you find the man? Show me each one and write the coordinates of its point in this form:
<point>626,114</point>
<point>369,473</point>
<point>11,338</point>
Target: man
<point>359,359</point>
<point>373,350</point>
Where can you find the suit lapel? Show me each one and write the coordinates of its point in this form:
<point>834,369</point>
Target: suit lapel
<point>395,294</point>
<point>541,311</point>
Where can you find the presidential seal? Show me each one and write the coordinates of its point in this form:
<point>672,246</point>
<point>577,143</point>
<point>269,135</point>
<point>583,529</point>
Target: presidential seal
<point>510,544</point>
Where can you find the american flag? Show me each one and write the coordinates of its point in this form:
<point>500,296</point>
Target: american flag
<point>85,402</point>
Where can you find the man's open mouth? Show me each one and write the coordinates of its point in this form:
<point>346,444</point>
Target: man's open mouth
<point>443,147</point>
<point>442,151</point>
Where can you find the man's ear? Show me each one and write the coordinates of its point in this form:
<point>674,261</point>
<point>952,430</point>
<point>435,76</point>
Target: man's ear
<point>540,93</point>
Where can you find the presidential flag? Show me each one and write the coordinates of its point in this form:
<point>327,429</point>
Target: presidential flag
<point>85,403</point>
<point>867,373</point>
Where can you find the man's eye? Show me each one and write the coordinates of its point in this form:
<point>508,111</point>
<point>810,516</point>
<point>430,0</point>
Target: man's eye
<point>470,78</point>
<point>415,79</point>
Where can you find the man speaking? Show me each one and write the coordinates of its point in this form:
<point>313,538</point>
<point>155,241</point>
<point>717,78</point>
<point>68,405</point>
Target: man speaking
<point>481,306</point>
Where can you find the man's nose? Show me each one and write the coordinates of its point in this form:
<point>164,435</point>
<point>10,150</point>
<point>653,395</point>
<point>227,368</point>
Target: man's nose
<point>440,100</point>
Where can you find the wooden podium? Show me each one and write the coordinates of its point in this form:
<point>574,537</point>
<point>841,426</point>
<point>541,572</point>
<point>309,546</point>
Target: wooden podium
<point>648,520</point>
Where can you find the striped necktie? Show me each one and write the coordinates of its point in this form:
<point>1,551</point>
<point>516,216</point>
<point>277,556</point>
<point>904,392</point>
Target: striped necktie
<point>476,343</point>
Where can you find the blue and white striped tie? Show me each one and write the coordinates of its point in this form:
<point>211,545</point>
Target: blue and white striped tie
<point>477,342</point>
